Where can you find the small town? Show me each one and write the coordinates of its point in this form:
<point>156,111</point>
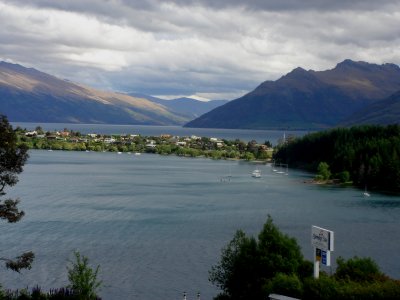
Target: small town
<point>165,144</point>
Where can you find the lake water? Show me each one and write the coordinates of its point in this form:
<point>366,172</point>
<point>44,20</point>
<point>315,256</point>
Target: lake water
<point>156,224</point>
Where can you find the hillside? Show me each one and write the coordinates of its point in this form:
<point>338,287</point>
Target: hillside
<point>384,112</point>
<point>28,95</point>
<point>187,107</point>
<point>307,99</point>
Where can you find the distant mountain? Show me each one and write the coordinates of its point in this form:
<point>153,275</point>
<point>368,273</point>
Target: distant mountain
<point>307,99</point>
<point>187,107</point>
<point>28,95</point>
<point>383,112</point>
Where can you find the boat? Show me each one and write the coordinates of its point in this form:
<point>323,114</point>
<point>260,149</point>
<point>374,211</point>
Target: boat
<point>226,178</point>
<point>366,194</point>
<point>256,173</point>
<point>137,153</point>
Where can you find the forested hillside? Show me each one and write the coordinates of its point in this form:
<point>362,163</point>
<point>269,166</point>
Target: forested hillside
<point>368,154</point>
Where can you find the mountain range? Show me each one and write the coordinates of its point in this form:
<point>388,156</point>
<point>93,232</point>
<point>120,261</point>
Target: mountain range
<point>314,100</point>
<point>351,93</point>
<point>184,106</point>
<point>28,95</point>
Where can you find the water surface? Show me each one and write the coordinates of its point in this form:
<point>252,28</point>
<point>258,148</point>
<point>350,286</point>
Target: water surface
<point>156,224</point>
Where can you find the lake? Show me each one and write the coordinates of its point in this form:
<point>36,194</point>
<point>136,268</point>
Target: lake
<point>156,224</point>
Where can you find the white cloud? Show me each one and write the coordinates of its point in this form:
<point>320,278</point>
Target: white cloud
<point>212,50</point>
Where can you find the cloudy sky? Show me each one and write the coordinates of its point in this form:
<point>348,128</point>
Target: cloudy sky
<point>215,49</point>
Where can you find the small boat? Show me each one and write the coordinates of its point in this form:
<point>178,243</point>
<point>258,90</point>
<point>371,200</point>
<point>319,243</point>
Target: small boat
<point>137,153</point>
<point>366,194</point>
<point>256,173</point>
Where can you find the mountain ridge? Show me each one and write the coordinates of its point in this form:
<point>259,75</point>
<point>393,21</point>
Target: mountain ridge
<point>304,99</point>
<point>29,95</point>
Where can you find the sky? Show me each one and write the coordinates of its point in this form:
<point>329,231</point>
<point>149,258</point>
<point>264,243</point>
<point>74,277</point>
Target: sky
<point>209,49</point>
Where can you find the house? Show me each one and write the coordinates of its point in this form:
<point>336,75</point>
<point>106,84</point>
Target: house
<point>31,133</point>
<point>64,134</point>
<point>109,140</point>
<point>151,144</point>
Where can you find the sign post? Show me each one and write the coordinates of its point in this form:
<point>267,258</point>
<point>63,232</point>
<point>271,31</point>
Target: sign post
<point>322,240</point>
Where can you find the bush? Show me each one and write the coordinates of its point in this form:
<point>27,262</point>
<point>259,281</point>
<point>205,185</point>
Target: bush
<point>358,269</point>
<point>83,279</point>
<point>323,288</point>
<point>344,176</point>
<point>288,285</point>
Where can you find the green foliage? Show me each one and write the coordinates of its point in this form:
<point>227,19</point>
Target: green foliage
<point>253,268</point>
<point>331,288</point>
<point>284,284</point>
<point>344,176</point>
<point>323,171</point>
<point>369,153</point>
<point>357,269</point>
<point>249,156</point>
<point>248,265</point>
<point>12,159</point>
<point>83,279</point>
<point>323,288</point>
<point>37,294</point>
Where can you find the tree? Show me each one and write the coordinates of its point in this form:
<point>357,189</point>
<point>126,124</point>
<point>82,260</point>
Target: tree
<point>12,160</point>
<point>249,265</point>
<point>358,269</point>
<point>323,171</point>
<point>83,279</point>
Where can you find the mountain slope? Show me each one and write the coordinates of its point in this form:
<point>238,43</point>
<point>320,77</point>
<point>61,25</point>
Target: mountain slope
<point>186,107</point>
<point>28,95</point>
<point>384,112</point>
<point>307,99</point>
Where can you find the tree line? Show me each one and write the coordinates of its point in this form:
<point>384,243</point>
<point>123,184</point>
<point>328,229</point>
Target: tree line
<point>365,155</point>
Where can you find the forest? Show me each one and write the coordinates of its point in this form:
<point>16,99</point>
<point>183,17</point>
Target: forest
<point>367,156</point>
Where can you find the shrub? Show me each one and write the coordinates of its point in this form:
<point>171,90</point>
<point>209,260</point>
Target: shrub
<point>83,279</point>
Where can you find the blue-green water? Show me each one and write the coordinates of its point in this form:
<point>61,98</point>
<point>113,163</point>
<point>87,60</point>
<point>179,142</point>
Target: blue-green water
<point>156,224</point>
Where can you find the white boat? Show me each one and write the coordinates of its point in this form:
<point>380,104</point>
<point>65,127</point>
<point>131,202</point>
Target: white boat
<point>366,194</point>
<point>256,173</point>
<point>137,153</point>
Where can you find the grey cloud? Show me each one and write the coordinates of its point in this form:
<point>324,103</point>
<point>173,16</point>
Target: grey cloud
<point>103,6</point>
<point>188,47</point>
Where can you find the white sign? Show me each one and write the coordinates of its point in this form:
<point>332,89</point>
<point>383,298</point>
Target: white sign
<point>322,238</point>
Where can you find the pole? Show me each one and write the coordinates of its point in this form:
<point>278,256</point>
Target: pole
<point>316,264</point>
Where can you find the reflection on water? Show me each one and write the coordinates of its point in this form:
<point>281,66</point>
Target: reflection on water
<point>156,224</point>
